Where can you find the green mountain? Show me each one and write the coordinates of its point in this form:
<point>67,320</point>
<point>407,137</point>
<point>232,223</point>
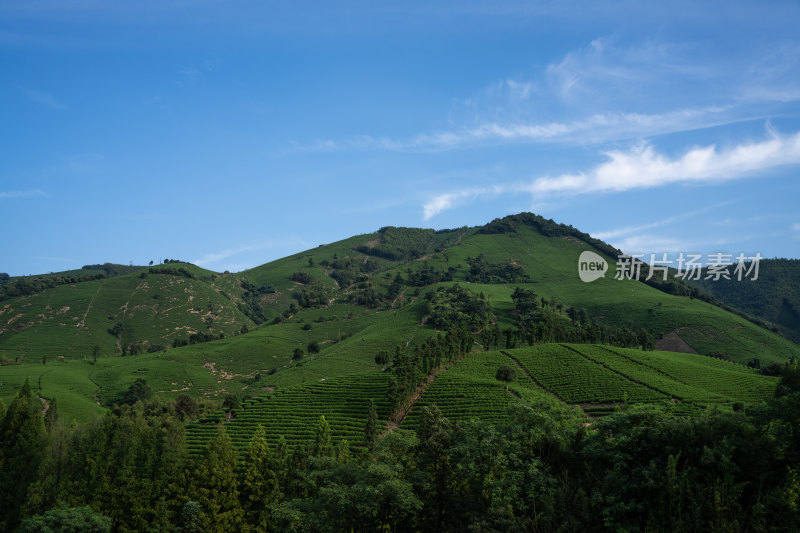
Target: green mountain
<point>321,316</point>
<point>774,297</point>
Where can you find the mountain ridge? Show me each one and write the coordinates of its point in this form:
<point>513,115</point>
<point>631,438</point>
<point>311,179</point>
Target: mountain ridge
<point>188,329</point>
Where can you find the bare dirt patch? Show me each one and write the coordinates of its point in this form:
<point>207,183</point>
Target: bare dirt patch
<point>672,342</point>
<point>45,403</point>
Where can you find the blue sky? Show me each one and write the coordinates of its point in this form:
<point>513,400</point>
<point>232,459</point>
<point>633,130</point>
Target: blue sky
<point>229,134</point>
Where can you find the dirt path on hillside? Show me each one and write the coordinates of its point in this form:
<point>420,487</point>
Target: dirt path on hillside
<point>139,286</point>
<point>672,342</point>
<point>461,236</point>
<point>82,324</point>
<point>397,417</point>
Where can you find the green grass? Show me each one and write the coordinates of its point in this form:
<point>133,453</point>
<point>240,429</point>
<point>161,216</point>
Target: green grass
<point>708,376</point>
<point>469,390</point>
<point>575,379</point>
<point>68,381</point>
<point>293,412</point>
<point>70,320</point>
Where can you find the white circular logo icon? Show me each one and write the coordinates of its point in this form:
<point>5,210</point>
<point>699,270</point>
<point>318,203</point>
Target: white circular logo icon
<point>591,266</point>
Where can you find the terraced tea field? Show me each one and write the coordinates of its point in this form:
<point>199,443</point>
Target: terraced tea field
<point>469,390</point>
<point>293,412</point>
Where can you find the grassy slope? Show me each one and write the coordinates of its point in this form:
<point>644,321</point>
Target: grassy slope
<point>774,296</point>
<point>349,336</point>
<point>70,320</point>
<point>552,264</point>
<point>588,375</point>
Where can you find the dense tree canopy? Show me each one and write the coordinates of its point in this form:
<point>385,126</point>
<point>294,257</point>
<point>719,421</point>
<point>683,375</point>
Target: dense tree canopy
<point>641,468</point>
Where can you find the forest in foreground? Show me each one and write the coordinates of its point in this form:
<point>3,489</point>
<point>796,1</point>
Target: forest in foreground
<point>641,468</point>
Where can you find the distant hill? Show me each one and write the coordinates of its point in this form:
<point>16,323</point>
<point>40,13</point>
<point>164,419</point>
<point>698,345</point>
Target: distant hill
<point>149,309</point>
<point>327,312</point>
<point>773,297</point>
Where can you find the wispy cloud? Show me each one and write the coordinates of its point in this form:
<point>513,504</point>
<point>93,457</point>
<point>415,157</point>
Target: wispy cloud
<point>212,258</point>
<point>627,230</point>
<point>22,194</point>
<point>605,92</point>
<point>450,200</point>
<point>642,167</point>
<point>45,99</point>
<point>597,128</point>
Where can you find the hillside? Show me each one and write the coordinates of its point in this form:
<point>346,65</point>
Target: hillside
<point>774,297</point>
<point>326,312</point>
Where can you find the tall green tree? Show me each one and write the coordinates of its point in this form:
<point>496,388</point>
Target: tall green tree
<point>322,439</point>
<point>435,437</point>
<point>217,487</point>
<point>371,428</point>
<point>22,440</point>
<point>260,483</point>
<point>343,451</point>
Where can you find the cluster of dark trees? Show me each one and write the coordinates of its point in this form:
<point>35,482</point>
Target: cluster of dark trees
<point>172,271</point>
<point>349,270</point>
<point>195,338</point>
<point>250,305</point>
<point>27,286</point>
<point>301,276</point>
<point>315,294</point>
<point>482,271</point>
<point>454,306</point>
<point>638,469</point>
<point>538,321</point>
<point>399,244</point>
<point>369,296</point>
<point>409,367</point>
<point>427,275</point>
<point>113,269</point>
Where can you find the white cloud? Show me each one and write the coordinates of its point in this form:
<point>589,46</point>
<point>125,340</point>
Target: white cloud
<point>447,201</point>
<point>21,194</point>
<point>643,167</point>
